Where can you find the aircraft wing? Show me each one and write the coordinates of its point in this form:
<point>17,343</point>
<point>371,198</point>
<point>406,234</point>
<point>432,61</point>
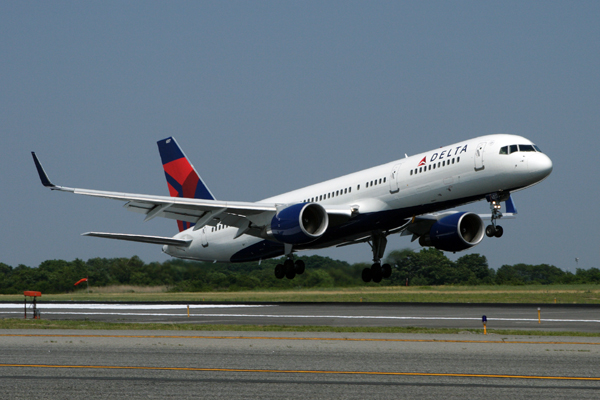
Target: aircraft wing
<point>247,216</point>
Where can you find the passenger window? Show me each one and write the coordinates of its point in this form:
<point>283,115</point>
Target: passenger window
<point>457,159</point>
<point>380,181</point>
<point>453,161</point>
<point>444,163</point>
<point>504,150</point>
<point>513,148</point>
<point>384,180</point>
<point>439,164</point>
<point>433,166</point>
<point>357,187</point>
<point>420,169</point>
<point>411,171</point>
<point>430,167</point>
<point>349,190</point>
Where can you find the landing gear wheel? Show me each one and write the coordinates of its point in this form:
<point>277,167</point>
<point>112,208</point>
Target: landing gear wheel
<point>490,231</point>
<point>376,273</point>
<point>377,277</point>
<point>299,267</point>
<point>290,274</point>
<point>386,270</point>
<point>288,266</point>
<point>376,269</point>
<point>366,275</point>
<point>279,271</point>
<point>499,231</point>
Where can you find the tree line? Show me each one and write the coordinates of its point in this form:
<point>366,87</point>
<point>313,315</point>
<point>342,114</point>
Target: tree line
<point>425,267</point>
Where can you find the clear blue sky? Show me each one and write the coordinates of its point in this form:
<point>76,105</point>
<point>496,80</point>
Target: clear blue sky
<point>266,97</point>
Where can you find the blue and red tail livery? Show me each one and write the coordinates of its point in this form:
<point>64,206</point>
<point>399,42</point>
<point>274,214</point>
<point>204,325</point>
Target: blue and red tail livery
<point>182,178</point>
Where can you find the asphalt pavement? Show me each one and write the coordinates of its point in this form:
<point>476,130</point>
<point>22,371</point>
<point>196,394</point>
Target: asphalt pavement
<point>60,364</point>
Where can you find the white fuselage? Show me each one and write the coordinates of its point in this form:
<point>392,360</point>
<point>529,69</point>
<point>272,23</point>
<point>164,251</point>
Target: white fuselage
<point>383,197</point>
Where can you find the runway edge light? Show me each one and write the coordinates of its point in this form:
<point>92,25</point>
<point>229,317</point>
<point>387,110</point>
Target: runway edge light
<point>484,320</point>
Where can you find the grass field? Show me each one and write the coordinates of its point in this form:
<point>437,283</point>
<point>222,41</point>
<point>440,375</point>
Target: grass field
<point>578,294</point>
<point>15,323</point>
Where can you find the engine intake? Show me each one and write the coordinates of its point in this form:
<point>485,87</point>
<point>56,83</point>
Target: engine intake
<point>455,232</point>
<point>300,223</point>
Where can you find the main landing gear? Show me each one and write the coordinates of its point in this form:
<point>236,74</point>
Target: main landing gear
<point>377,271</point>
<point>494,230</point>
<point>289,268</point>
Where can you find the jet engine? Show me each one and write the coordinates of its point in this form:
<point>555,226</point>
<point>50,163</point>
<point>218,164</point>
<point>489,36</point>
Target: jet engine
<point>300,223</point>
<point>455,232</point>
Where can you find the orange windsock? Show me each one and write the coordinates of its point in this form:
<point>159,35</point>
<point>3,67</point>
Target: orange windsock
<point>81,280</point>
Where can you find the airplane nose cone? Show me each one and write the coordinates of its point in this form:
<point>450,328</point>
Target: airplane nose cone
<point>540,165</point>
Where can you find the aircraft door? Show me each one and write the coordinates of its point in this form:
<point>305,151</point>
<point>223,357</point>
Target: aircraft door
<point>394,177</point>
<point>479,157</point>
<point>203,239</point>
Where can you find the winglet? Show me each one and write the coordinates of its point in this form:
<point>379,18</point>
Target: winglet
<point>43,176</point>
<point>510,206</point>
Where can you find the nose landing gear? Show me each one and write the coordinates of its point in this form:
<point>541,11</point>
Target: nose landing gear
<point>494,230</point>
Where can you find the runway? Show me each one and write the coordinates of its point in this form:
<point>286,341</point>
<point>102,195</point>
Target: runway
<point>171,364</point>
<point>581,318</point>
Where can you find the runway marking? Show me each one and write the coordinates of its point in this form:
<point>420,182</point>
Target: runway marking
<point>284,371</point>
<point>183,314</point>
<point>44,306</point>
<point>297,338</point>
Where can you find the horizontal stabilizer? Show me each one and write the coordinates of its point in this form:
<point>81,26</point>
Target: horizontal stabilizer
<point>141,238</point>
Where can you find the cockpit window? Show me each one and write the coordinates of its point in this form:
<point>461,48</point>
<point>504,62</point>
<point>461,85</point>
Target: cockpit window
<point>513,148</point>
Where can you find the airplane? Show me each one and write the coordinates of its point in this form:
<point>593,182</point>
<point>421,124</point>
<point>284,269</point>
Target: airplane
<point>411,196</point>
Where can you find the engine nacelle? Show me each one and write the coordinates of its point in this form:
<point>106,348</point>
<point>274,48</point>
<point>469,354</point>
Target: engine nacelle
<point>300,223</point>
<point>455,232</point>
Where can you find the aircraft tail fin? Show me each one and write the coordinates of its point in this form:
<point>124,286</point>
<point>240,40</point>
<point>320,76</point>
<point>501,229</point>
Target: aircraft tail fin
<point>182,178</point>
